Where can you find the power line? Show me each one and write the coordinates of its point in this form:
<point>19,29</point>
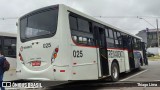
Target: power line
<point>127,16</point>
<point>115,16</point>
<point>8,18</point>
<point>147,22</point>
<point>5,18</point>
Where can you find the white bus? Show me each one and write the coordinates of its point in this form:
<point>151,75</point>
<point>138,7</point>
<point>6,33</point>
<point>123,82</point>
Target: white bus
<point>59,43</point>
<point>8,47</point>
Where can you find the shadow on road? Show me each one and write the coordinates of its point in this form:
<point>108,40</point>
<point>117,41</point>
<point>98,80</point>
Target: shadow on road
<point>97,84</point>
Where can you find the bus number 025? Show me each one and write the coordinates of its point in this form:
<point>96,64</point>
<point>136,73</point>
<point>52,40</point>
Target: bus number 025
<point>77,53</point>
<point>47,45</point>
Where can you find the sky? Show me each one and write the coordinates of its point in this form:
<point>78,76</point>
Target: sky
<point>123,14</point>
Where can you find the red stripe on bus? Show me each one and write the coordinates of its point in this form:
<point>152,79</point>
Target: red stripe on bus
<point>87,46</point>
<point>115,48</point>
<point>80,45</point>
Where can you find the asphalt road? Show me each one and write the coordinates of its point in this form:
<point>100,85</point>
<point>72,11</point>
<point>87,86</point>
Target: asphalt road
<point>152,73</point>
<point>127,81</point>
<point>146,75</point>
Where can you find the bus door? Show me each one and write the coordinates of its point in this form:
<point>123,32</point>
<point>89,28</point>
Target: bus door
<point>100,41</point>
<point>128,44</point>
<point>144,53</point>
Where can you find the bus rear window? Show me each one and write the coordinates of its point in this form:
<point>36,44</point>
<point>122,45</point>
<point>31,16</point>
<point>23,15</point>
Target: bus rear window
<point>39,24</point>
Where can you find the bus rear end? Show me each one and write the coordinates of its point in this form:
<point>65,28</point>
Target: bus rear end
<point>38,45</point>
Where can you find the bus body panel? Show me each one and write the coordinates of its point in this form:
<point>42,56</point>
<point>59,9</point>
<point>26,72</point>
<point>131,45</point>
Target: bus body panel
<point>25,73</point>
<point>118,55</point>
<point>45,58</point>
<point>84,63</point>
<point>60,68</point>
<point>127,66</point>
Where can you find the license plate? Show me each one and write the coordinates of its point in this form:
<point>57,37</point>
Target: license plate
<point>36,63</point>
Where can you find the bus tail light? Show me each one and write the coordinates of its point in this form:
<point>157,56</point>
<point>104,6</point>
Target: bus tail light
<point>54,54</point>
<point>56,50</point>
<point>20,57</point>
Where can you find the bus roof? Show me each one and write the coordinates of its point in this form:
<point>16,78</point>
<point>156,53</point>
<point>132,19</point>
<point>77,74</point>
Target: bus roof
<point>96,20</point>
<point>8,34</point>
<point>82,14</point>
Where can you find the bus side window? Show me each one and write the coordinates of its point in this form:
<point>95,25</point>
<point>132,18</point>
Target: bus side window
<point>110,39</point>
<point>115,34</point>
<point>115,39</point>
<point>110,43</point>
<point>81,30</point>
<point>135,43</point>
<point>119,38</point>
<point>111,33</point>
<point>83,25</point>
<point>124,40</point>
<point>73,23</point>
<point>9,47</point>
<point>138,42</point>
<point>74,38</point>
<point>106,33</point>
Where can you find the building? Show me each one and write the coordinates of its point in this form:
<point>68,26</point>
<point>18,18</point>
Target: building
<point>143,35</point>
<point>149,36</point>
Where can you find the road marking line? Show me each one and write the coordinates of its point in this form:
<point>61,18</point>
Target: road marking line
<point>156,80</point>
<point>134,75</point>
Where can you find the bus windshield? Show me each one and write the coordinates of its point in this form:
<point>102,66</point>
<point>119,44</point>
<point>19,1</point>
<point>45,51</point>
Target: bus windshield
<point>38,24</point>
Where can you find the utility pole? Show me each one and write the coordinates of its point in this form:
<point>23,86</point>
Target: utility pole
<point>157,32</point>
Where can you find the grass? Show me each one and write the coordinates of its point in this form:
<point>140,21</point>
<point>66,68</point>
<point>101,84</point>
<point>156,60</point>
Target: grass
<point>154,58</point>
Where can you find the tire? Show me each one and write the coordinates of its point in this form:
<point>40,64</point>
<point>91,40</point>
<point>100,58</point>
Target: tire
<point>114,72</point>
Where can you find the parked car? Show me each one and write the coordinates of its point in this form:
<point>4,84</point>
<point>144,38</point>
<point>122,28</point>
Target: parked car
<point>149,54</point>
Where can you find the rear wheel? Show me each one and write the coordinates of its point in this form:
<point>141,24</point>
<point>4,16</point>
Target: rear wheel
<point>114,72</point>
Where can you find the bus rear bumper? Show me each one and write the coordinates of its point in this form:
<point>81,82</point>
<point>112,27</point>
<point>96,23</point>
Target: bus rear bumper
<point>53,73</point>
